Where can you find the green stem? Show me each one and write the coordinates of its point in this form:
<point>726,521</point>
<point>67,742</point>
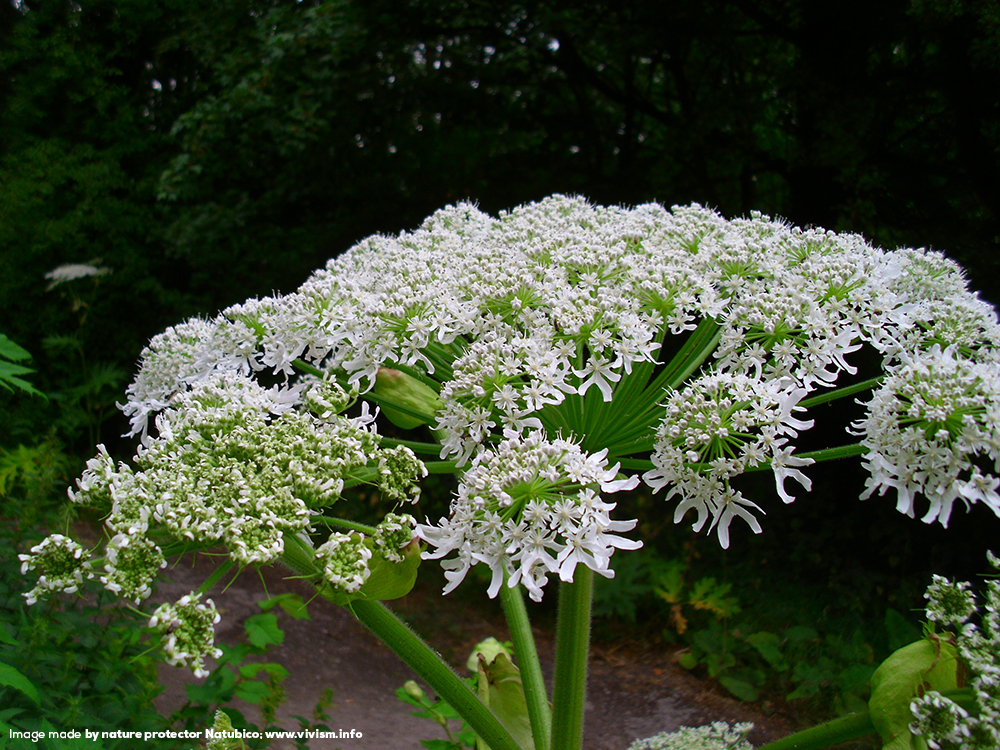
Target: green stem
<point>528,664</point>
<point>413,445</point>
<point>344,524</point>
<point>441,467</point>
<point>307,368</point>
<point>213,579</point>
<point>852,726</point>
<point>572,650</point>
<point>824,735</point>
<point>832,454</point>
<point>409,647</point>
<point>848,390</point>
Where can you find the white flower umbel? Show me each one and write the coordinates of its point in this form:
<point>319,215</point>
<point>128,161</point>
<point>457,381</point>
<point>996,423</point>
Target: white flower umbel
<point>393,533</point>
<point>933,430</point>
<point>226,468</point>
<point>712,431</point>
<point>188,632</point>
<point>528,508</point>
<point>60,564</point>
<point>344,561</point>
<point>939,721</point>
<point>573,319</point>
<point>132,563</point>
<point>717,736</point>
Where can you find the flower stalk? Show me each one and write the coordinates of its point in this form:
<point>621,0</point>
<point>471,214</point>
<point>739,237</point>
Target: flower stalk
<point>572,653</point>
<point>422,659</point>
<point>535,694</point>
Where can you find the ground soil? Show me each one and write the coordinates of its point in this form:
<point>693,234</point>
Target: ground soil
<point>633,691</point>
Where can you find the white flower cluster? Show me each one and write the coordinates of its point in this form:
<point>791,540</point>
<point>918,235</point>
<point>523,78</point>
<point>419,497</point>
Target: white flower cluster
<point>673,338</point>
<point>528,508</point>
<point>61,567</point>
<point>932,428</point>
<point>188,631</point>
<point>941,722</point>
<point>233,463</point>
<point>716,428</point>
<point>716,736</point>
<point>344,560</point>
<point>393,533</point>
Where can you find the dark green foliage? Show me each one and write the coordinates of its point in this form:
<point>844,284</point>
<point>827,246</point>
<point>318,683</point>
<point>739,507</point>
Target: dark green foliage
<point>241,674</point>
<point>207,152</point>
<point>76,665</point>
<point>776,639</point>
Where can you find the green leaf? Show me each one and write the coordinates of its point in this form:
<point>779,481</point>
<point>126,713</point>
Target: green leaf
<point>501,691</point>
<point>218,688</point>
<point>263,630</point>
<point>275,670</point>
<point>10,677</point>
<point>688,660</point>
<point>5,636</point>
<point>9,376</point>
<point>768,645</point>
<point>10,350</point>
<point>709,595</point>
<point>929,664</point>
<point>293,605</point>
<point>801,633</point>
<point>253,691</point>
<point>670,582</point>
<point>740,688</point>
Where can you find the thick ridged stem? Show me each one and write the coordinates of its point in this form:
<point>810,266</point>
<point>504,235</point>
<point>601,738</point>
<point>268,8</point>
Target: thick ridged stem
<point>527,662</point>
<point>572,651</point>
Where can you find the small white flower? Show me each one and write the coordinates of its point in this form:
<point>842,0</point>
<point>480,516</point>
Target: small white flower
<point>528,508</point>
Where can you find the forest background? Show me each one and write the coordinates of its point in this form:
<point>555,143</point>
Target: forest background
<point>207,152</point>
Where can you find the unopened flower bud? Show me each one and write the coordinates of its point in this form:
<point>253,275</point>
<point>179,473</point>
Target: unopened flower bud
<point>412,689</point>
<point>404,400</point>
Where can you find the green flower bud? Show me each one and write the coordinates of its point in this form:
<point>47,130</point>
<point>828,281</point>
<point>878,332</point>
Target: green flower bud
<point>404,400</point>
<point>491,648</point>
<point>412,689</point>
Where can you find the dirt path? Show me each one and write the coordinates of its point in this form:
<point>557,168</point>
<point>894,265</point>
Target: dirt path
<point>631,693</point>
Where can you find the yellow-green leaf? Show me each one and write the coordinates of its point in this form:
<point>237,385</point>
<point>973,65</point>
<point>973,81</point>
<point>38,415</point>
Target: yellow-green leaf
<point>924,665</point>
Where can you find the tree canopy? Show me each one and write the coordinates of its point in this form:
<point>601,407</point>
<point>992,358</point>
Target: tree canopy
<point>207,152</point>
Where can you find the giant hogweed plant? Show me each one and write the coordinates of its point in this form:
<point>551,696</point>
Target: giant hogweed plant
<point>550,358</point>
